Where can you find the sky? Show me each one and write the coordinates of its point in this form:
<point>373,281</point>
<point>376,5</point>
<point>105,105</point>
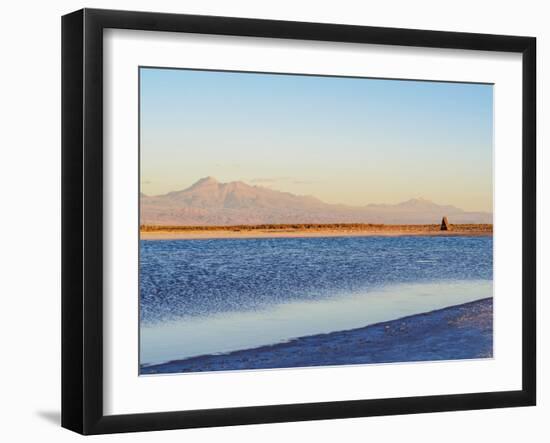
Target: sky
<point>343,140</point>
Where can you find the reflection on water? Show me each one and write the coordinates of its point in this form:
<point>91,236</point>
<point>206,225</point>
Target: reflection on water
<point>209,296</point>
<point>224,332</point>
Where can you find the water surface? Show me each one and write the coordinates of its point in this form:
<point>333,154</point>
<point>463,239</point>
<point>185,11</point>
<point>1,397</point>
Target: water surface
<point>210,296</point>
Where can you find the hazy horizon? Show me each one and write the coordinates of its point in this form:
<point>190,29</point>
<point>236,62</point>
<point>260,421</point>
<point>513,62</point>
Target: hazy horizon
<point>210,177</point>
<point>341,140</point>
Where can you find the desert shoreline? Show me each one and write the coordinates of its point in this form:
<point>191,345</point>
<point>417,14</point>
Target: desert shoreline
<point>454,333</point>
<point>308,231</point>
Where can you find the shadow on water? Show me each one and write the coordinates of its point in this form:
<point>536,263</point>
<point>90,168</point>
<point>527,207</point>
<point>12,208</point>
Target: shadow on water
<point>53,417</point>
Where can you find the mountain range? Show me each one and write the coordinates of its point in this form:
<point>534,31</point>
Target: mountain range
<point>209,202</point>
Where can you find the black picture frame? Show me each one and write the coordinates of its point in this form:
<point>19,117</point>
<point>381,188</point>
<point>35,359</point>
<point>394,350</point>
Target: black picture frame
<point>82,218</point>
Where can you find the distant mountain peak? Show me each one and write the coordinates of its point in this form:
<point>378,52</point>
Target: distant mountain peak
<point>209,202</point>
<point>205,181</point>
<point>416,200</point>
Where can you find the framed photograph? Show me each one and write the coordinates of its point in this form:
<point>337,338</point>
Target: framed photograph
<point>269,221</point>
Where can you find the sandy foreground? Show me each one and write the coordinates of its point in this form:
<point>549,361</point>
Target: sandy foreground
<point>457,332</point>
<point>296,231</point>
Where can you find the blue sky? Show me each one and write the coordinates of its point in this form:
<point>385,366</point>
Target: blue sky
<point>344,140</point>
